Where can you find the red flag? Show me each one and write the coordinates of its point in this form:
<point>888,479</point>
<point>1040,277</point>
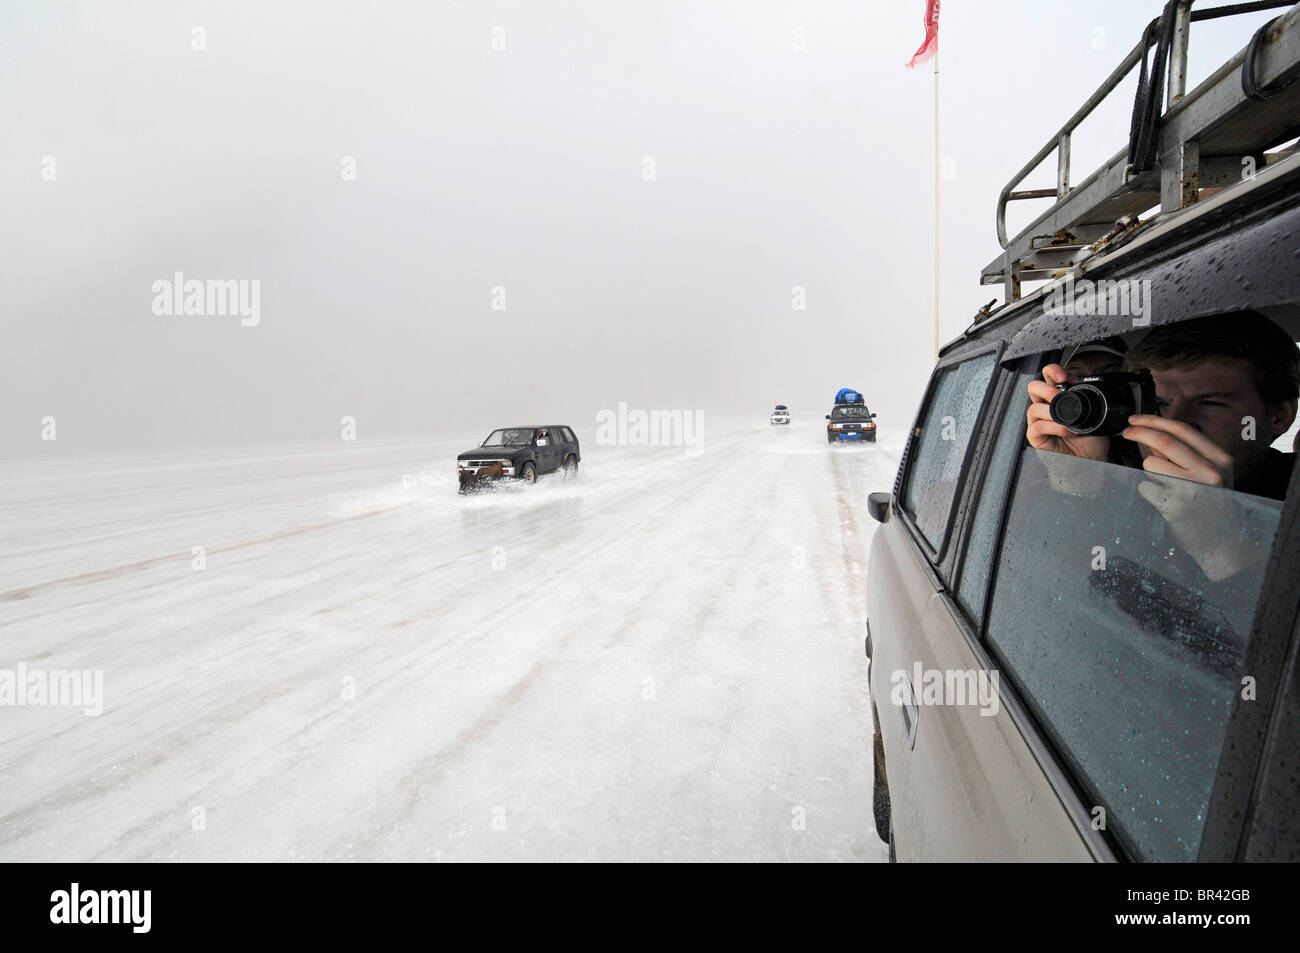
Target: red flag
<point>931,35</point>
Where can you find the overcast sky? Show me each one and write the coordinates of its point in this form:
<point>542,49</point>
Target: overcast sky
<point>790,148</point>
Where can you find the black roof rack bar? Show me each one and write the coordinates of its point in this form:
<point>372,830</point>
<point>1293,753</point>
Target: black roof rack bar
<point>1234,9</point>
<point>1083,213</point>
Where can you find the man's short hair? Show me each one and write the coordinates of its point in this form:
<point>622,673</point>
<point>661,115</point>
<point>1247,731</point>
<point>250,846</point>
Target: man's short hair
<point>1268,351</point>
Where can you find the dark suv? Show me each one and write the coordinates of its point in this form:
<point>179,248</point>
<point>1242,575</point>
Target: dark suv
<point>519,453</point>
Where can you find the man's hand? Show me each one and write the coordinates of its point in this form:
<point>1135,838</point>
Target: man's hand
<point>1207,526</point>
<point>1179,450</point>
<point>1045,433</point>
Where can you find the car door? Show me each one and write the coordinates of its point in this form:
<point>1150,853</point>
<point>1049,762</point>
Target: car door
<point>1128,617</point>
<point>964,782</point>
<point>1255,811</point>
<point>570,444</point>
<point>547,443</point>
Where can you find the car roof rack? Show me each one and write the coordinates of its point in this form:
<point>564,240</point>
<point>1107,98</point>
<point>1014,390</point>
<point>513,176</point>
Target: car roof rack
<point>1212,137</point>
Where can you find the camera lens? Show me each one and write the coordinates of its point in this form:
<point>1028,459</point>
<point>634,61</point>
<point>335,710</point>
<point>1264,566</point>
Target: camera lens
<point>1068,408</point>
<point>1081,408</point>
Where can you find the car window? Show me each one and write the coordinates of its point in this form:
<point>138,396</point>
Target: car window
<point>1121,608</point>
<point>569,437</point>
<point>508,438</point>
<point>940,441</point>
<point>982,537</point>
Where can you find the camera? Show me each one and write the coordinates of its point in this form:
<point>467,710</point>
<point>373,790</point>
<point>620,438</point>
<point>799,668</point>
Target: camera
<point>1101,406</point>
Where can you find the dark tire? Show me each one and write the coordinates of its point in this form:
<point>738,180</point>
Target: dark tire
<point>881,809</point>
<point>529,473</point>
<point>830,439</point>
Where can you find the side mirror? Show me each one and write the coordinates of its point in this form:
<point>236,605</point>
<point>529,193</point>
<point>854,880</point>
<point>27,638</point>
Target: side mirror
<point>873,416</point>
<point>828,416</point>
<point>880,506</point>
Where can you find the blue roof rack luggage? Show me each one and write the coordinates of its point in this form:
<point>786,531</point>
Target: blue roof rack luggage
<point>847,395</point>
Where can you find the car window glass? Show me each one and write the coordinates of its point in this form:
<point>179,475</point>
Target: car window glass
<point>982,538</point>
<point>508,438</point>
<point>939,445</point>
<point>1121,608</point>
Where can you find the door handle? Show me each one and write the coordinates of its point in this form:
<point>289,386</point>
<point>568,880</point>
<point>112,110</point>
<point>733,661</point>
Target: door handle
<point>910,711</point>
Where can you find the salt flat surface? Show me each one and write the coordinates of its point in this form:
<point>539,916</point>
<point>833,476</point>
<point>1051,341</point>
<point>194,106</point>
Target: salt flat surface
<point>659,661</point>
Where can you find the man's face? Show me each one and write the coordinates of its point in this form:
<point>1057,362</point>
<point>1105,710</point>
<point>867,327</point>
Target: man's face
<point>1215,396</point>
<point>1092,363</point>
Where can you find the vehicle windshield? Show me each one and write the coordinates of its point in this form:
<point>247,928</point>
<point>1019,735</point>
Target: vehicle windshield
<point>508,438</point>
<point>850,410</point>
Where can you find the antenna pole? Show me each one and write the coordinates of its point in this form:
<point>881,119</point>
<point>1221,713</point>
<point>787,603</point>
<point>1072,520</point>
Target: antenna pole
<point>936,198</point>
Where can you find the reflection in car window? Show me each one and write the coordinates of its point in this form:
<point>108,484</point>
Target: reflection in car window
<point>937,450</point>
<point>983,535</point>
<point>1121,608</point>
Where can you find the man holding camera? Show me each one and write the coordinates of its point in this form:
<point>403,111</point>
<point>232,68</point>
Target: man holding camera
<point>1226,388</point>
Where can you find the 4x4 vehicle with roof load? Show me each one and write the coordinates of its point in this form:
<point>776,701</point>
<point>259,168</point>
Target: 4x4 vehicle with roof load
<point>1088,651</point>
<point>519,453</point>
<point>850,419</point>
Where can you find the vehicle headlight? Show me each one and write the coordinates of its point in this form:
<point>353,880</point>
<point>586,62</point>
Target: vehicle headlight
<point>835,426</point>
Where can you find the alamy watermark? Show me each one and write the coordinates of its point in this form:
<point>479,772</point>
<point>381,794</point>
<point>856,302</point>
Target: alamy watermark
<point>423,478</point>
<point>230,297</point>
<point>651,428</point>
<point>53,688</point>
<point>1123,297</point>
<point>946,687</point>
<point>126,907</point>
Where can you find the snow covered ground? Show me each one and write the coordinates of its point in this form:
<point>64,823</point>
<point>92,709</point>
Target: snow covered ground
<point>660,661</point>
